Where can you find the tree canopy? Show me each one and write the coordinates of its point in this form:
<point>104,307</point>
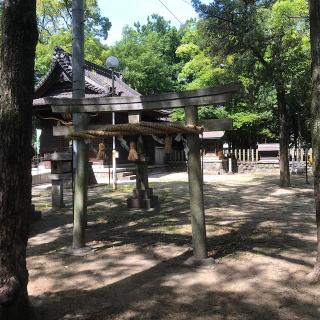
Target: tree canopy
<point>54,23</point>
<point>147,55</point>
<point>262,44</point>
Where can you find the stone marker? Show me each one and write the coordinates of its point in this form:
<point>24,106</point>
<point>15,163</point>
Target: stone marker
<point>61,169</point>
<point>143,197</point>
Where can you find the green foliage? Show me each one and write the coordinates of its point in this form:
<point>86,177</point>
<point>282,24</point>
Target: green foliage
<point>55,16</point>
<point>147,55</point>
<point>54,22</point>
<point>45,50</point>
<point>94,51</point>
<point>264,45</point>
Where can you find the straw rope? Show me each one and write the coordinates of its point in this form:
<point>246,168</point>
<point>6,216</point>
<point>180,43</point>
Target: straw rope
<point>144,128</point>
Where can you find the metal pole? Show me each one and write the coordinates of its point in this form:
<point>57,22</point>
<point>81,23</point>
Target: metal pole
<point>80,122</point>
<point>114,160</point>
<point>199,241</point>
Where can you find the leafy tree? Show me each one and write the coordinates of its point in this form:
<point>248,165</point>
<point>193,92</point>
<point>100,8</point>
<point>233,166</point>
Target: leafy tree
<point>55,16</point>
<point>270,36</point>
<point>94,50</point>
<point>147,55</point>
<point>54,22</point>
<point>201,69</point>
<point>17,52</point>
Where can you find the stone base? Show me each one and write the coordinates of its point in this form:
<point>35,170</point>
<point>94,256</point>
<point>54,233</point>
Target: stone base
<point>217,166</point>
<point>143,203</point>
<point>193,262</point>
<point>80,252</point>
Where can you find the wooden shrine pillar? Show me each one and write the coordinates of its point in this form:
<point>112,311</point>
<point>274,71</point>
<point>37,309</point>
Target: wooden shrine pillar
<point>199,239</point>
<point>80,122</point>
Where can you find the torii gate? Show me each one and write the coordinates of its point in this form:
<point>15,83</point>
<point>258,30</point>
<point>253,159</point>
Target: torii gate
<point>187,99</point>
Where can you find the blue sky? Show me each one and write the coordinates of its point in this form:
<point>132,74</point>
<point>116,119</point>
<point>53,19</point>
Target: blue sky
<point>123,12</point>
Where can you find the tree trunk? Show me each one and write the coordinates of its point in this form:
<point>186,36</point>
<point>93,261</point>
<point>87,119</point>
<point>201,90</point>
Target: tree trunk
<point>17,52</point>
<point>314,10</point>
<point>284,137</point>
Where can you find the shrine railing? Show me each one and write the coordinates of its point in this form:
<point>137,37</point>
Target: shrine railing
<point>254,155</point>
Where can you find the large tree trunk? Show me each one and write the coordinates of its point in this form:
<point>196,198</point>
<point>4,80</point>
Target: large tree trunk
<point>314,10</point>
<point>17,52</point>
<point>284,137</point>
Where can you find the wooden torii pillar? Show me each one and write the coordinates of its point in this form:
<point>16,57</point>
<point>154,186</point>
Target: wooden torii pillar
<point>189,100</point>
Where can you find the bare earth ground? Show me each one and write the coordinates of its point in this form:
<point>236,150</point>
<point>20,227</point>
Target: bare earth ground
<point>262,237</point>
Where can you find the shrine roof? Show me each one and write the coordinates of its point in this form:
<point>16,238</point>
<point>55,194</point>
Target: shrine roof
<point>98,80</point>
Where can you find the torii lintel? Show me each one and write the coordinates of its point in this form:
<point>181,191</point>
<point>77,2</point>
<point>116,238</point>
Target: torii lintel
<point>199,97</point>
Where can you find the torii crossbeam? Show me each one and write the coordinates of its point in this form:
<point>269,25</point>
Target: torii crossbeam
<point>200,97</point>
<point>187,99</point>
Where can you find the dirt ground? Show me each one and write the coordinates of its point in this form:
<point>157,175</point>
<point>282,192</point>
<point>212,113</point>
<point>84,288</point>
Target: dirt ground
<point>262,237</point>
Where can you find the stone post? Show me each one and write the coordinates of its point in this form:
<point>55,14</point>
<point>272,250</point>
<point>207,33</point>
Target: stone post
<point>143,197</point>
<point>57,194</point>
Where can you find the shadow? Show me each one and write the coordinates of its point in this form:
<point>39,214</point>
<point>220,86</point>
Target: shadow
<point>252,220</point>
<point>169,290</point>
<point>109,219</point>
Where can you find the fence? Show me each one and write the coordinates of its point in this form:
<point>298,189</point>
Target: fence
<point>243,155</point>
<point>253,155</point>
<point>247,155</point>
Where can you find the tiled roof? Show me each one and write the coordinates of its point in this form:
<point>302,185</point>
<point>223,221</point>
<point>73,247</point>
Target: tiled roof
<point>97,78</point>
<point>41,102</point>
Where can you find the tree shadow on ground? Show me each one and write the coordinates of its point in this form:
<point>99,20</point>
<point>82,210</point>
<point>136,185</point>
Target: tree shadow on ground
<point>169,291</point>
<point>258,218</point>
<point>241,215</point>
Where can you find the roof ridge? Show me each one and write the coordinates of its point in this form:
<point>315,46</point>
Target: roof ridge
<point>65,60</point>
<point>94,74</point>
<point>97,67</point>
<point>47,75</point>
